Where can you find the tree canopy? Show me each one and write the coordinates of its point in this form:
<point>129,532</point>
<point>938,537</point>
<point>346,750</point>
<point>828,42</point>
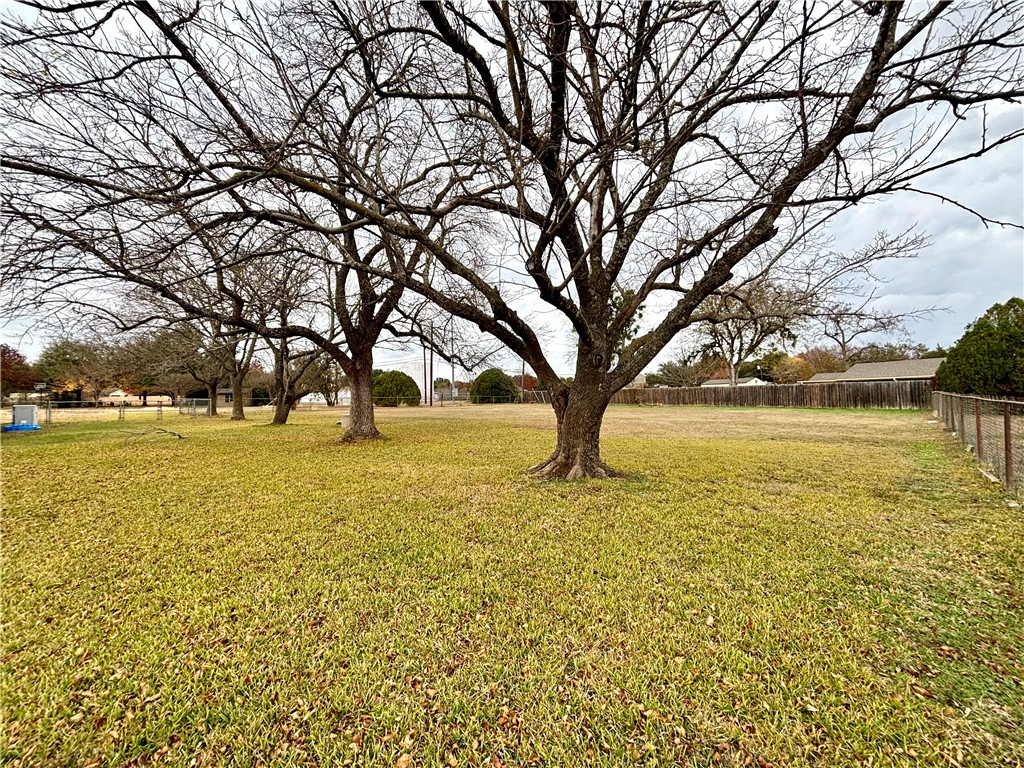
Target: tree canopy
<point>76,367</point>
<point>394,388</point>
<point>16,375</point>
<point>493,386</point>
<point>989,358</point>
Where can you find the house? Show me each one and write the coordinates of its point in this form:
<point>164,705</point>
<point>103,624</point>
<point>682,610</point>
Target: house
<point>225,397</point>
<point>119,396</point>
<point>920,369</point>
<point>746,381</point>
<point>639,381</point>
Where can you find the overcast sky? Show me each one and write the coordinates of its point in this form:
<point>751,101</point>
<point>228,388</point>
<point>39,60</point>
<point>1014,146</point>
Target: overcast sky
<point>968,267</point>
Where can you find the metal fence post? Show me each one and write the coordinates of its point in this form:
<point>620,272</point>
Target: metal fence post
<point>120,411</point>
<point>977,424</point>
<point>159,411</point>
<point>960,429</point>
<point>1007,448</point>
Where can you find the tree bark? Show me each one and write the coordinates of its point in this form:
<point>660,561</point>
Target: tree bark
<point>237,398</point>
<point>577,454</point>
<point>362,425</point>
<point>211,393</point>
<point>283,407</point>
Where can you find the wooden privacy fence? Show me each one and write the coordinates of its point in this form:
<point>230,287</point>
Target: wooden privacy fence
<point>904,395</point>
<point>994,429</point>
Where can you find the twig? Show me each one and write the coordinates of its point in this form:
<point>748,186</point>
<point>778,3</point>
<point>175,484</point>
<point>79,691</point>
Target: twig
<point>154,431</point>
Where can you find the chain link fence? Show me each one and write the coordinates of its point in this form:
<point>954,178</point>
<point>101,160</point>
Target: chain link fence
<point>993,428</point>
<point>78,411</point>
<point>193,407</point>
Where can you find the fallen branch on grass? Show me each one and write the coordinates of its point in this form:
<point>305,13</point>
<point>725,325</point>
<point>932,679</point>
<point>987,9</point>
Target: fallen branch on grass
<point>152,432</point>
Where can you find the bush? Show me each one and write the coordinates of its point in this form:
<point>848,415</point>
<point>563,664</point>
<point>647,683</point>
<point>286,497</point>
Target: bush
<point>493,386</point>
<point>392,388</point>
<point>261,396</point>
<point>989,358</point>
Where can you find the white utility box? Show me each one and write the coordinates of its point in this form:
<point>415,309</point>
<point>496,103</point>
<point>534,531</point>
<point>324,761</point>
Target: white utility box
<point>27,415</point>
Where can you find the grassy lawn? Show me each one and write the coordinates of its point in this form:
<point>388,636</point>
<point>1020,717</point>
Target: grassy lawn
<point>771,587</point>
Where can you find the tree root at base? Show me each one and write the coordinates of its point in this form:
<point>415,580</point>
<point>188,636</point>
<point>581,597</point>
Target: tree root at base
<point>556,468</point>
<point>351,438</point>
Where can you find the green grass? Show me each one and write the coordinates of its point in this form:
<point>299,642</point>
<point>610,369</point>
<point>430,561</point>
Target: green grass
<point>770,587</point>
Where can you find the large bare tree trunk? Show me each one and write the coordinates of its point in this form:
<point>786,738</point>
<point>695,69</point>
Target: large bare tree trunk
<point>237,398</point>
<point>362,426</point>
<point>283,398</point>
<point>285,404</point>
<point>211,393</point>
<point>577,454</point>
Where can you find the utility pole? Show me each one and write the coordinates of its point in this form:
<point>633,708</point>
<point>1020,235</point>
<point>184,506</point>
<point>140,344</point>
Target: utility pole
<point>431,376</point>
<point>424,375</point>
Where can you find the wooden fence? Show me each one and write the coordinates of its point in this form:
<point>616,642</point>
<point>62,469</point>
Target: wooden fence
<point>902,395</point>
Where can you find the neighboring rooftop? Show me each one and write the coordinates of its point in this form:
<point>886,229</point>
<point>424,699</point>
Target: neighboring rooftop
<point>745,380</point>
<point>921,368</point>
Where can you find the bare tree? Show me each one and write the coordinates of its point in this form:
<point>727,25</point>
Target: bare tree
<point>203,355</point>
<point>688,370</point>
<point>845,324</point>
<point>295,372</point>
<point>648,156</point>
<point>329,380</point>
<point>167,216</point>
<point>150,361</point>
<point>636,157</point>
<point>240,349</point>
<point>824,292</point>
<point>737,322</point>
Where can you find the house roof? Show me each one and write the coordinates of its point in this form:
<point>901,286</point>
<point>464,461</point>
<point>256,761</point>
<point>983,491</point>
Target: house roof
<point>822,377</point>
<point>922,368</point>
<point>726,382</point>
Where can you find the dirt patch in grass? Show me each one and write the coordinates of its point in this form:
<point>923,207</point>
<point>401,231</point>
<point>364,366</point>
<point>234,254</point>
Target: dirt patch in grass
<point>771,587</point>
